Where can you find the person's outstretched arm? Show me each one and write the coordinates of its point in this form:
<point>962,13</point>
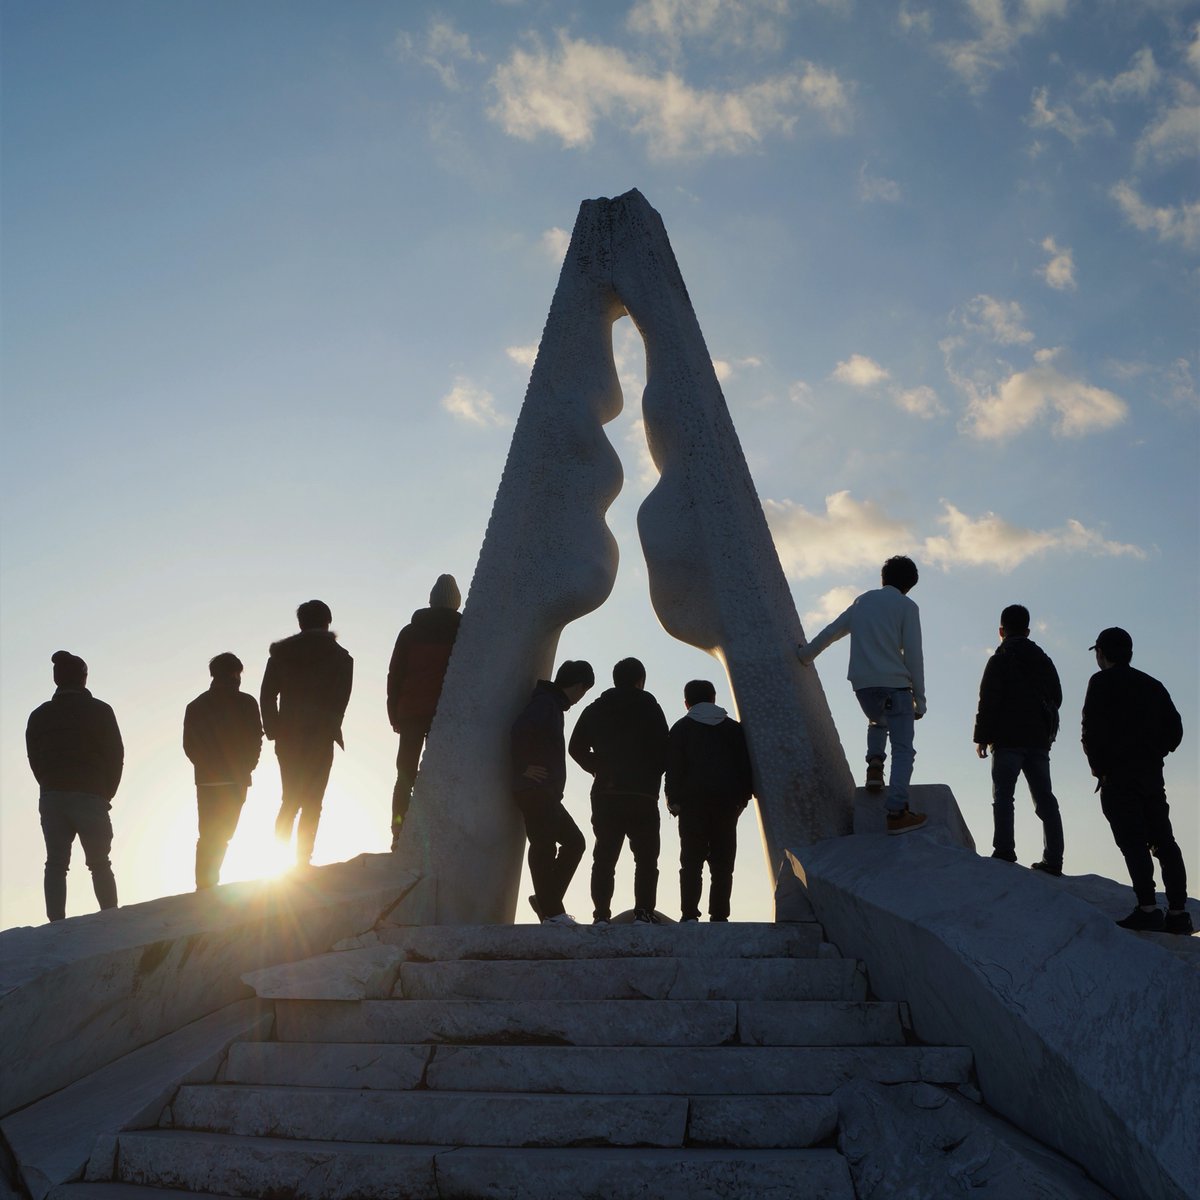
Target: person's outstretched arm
<point>835,630</point>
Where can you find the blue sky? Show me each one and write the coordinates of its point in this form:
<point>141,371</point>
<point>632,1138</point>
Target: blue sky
<point>274,274</point>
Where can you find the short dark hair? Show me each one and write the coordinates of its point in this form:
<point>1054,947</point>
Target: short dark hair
<point>225,666</point>
<point>629,672</point>
<point>1015,619</point>
<point>699,691</point>
<point>1115,644</point>
<point>572,671</point>
<point>899,572</point>
<point>69,669</point>
<point>314,614</point>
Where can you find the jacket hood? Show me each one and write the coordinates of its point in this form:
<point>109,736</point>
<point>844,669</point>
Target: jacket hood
<point>544,686</point>
<point>1020,647</point>
<point>706,713</point>
<point>303,642</point>
<point>436,618</point>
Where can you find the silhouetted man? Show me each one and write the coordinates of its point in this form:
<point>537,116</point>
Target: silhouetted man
<point>1130,724</point>
<point>414,685</point>
<point>708,785</point>
<point>222,737</point>
<point>539,779</point>
<point>620,740</point>
<point>1019,699</point>
<point>77,756</point>
<point>887,673</point>
<point>305,690</point>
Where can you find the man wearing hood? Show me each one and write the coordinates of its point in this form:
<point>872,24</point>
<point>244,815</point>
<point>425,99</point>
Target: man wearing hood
<point>305,690</point>
<point>1019,699</point>
<point>708,784</point>
<point>620,739</point>
<point>414,685</point>
<point>539,779</point>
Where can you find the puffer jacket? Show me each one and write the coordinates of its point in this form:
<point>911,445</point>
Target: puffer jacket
<point>306,688</point>
<point>418,666</point>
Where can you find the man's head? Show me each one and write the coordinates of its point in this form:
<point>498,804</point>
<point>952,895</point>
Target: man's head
<point>899,572</point>
<point>445,593</point>
<point>314,614</point>
<point>69,669</point>
<point>574,677</point>
<point>1113,647</point>
<point>629,673</point>
<point>698,691</point>
<point>227,668</point>
<point>1014,621</point>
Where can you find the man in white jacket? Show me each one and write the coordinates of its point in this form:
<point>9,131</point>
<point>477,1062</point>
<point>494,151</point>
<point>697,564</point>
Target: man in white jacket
<point>888,677</point>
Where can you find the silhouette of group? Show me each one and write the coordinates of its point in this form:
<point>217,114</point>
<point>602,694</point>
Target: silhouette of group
<point>622,739</point>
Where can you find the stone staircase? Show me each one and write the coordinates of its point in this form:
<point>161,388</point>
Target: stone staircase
<point>523,1061</point>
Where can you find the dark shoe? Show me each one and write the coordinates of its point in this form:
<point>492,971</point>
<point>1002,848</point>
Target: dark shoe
<point>601,921</point>
<point>537,908</point>
<point>646,916</point>
<point>1046,868</point>
<point>1012,858</point>
<point>1141,920</point>
<point>718,920</point>
<point>688,920</point>
<point>1178,922</point>
<point>563,918</point>
<point>904,822</point>
<point>874,774</point>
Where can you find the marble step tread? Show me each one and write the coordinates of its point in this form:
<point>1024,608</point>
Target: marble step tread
<point>125,1191</point>
<point>675,1070</point>
<point>322,1170</point>
<point>635,979</point>
<point>506,1118</point>
<point>593,1022</point>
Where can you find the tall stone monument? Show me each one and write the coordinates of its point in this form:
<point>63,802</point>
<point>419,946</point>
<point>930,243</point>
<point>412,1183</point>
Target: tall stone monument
<point>548,557</point>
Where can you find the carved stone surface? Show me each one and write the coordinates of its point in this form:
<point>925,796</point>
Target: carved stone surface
<point>548,558</point>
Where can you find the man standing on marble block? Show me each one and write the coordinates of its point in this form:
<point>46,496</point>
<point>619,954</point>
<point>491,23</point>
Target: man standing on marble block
<point>539,779</point>
<point>76,753</point>
<point>620,740</point>
<point>887,673</point>
<point>305,690</point>
<point>1130,724</point>
<point>709,782</point>
<point>1019,699</point>
<point>222,737</point>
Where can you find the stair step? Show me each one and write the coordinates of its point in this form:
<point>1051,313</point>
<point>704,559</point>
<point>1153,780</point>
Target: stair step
<point>124,1191</point>
<point>323,1170</point>
<point>635,979</point>
<point>665,1070</point>
<point>593,1023</point>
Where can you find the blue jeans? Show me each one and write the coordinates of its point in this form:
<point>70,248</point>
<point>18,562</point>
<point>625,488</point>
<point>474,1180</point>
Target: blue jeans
<point>66,816</point>
<point>890,715</point>
<point>1008,763</point>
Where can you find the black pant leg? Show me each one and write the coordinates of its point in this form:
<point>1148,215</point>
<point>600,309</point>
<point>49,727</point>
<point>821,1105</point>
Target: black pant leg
<point>693,851</point>
<point>722,851</point>
<point>1121,804</point>
<point>58,830</point>
<point>644,843</point>
<point>555,847</point>
<point>218,808</point>
<point>95,836</point>
<point>608,830</point>
<point>408,757</point>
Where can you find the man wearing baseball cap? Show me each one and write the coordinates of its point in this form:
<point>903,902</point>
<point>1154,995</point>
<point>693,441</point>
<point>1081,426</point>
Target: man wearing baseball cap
<point>1129,726</point>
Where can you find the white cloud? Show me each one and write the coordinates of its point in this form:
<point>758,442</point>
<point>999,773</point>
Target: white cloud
<point>1137,82</point>
<point>975,60</point>
<point>1002,321</point>
<point>1064,119</point>
<point>472,404</point>
<point>1192,54</point>
<point>848,536</point>
<point>859,371</point>
<point>1059,272</point>
<point>555,242</point>
<point>732,24</point>
<point>635,439</point>
<point>830,604</point>
<point>523,356</point>
<point>877,188</point>
<point>1169,222</point>
<point>726,369</point>
<point>568,91</point>
<point>440,48</point>
<point>1174,135</point>
<point>800,393</point>
<point>920,402</point>
<point>914,20</point>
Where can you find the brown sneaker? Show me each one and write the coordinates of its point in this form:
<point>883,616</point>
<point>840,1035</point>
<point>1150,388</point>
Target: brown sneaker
<point>875,775</point>
<point>904,822</point>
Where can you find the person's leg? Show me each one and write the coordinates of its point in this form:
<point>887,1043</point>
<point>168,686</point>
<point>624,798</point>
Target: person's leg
<point>291,783</point>
<point>207,804</point>
<point>1036,768</point>
<point>1006,766</point>
<point>1121,807</point>
<point>58,830</point>
<point>95,836</point>
<point>722,850</point>
<point>1162,841</point>
<point>899,717</point>
<point>408,756</point>
<point>539,829</point>
<point>571,845</point>
<point>320,762</point>
<point>645,844</point>
<point>693,849</point>
<point>872,702</point>
<point>609,832</point>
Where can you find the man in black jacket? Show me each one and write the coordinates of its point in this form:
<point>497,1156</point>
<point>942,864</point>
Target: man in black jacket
<point>77,756</point>
<point>539,779</point>
<point>305,690</point>
<point>222,737</point>
<point>620,740</point>
<point>1129,726</point>
<point>708,784</point>
<point>1019,699</point>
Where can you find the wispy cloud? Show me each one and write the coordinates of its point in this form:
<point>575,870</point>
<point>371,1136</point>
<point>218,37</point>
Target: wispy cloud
<point>829,605</point>
<point>1172,136</point>
<point>859,371</point>
<point>733,24</point>
<point>976,59</point>
<point>1063,119</point>
<point>1135,83</point>
<point>920,402</point>
<point>1002,321</point>
<point>1168,222</point>
<point>875,188</point>
<point>523,356</point>
<point>471,404</point>
<point>726,368</point>
<point>555,242</point>
<point>1059,272</point>
<point>635,439</point>
<point>847,536</point>
<point>441,48</point>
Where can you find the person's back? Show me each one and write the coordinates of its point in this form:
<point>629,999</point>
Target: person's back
<point>1129,720</point>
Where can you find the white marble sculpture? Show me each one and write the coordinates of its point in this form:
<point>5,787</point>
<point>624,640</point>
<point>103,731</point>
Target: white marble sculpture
<point>548,558</point>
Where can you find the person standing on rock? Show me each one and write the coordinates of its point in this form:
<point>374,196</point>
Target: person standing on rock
<point>305,690</point>
<point>1019,699</point>
<point>76,753</point>
<point>222,737</point>
<point>539,780</point>
<point>1130,724</point>
<point>708,783</point>
<point>414,685</point>
<point>887,672</point>
<point>620,739</point>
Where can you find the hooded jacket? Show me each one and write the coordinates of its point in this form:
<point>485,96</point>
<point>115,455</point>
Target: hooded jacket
<point>620,740</point>
<point>707,760</point>
<point>1019,697</point>
<point>1129,721</point>
<point>306,688</point>
<point>537,740</point>
<point>222,734</point>
<point>74,744</point>
<point>418,666</point>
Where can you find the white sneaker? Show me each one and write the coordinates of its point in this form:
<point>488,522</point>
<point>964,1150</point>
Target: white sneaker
<point>562,919</point>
